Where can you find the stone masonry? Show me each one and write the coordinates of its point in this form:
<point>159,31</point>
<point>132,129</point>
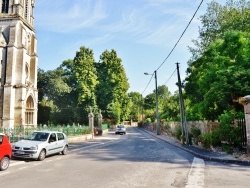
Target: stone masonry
<point>18,68</point>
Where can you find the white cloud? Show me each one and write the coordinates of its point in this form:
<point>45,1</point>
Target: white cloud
<point>152,23</point>
<point>63,16</point>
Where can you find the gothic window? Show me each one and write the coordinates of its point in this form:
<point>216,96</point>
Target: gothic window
<point>29,113</point>
<point>5,6</point>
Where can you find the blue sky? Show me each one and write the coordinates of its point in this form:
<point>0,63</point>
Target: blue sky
<point>142,32</point>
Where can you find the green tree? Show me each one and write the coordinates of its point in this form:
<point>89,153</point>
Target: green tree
<point>163,95</point>
<point>45,107</point>
<point>126,108</point>
<point>219,19</point>
<point>150,101</point>
<point>220,75</point>
<point>136,101</point>
<point>84,71</point>
<point>171,108</point>
<point>113,84</point>
<point>115,108</point>
<point>163,99</point>
<point>52,84</point>
<point>74,80</point>
<point>82,77</point>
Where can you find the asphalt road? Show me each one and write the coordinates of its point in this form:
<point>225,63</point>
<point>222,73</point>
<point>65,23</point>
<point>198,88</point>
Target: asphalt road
<point>136,159</point>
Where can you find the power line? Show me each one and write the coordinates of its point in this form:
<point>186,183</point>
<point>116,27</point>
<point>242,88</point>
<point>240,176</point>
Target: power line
<point>170,77</point>
<point>180,36</point>
<point>148,84</point>
<point>175,45</point>
<point>163,84</point>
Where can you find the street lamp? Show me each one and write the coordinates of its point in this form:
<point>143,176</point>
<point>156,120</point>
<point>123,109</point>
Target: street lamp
<point>156,96</point>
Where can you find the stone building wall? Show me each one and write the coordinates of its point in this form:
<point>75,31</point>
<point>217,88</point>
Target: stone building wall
<point>204,126</point>
<point>18,91</point>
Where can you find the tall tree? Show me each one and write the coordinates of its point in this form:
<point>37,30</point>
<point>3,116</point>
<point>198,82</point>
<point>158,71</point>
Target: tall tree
<point>71,110</point>
<point>113,83</point>
<point>82,77</point>
<point>85,73</point>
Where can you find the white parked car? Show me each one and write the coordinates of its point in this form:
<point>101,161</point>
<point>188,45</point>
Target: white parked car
<point>40,144</point>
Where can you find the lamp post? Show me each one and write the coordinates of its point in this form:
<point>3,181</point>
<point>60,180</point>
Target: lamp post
<point>156,98</point>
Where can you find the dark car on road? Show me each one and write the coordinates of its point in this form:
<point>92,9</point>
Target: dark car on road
<point>5,152</point>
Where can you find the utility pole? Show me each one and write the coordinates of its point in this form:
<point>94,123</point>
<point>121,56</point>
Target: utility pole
<point>182,109</point>
<point>156,97</point>
<point>142,109</point>
<point>157,108</point>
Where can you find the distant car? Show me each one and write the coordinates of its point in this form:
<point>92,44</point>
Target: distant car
<point>40,144</point>
<point>5,152</point>
<point>120,129</point>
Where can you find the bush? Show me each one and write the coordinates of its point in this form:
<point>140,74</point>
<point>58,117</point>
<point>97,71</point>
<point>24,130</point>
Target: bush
<point>148,120</point>
<point>178,132</point>
<point>193,135</point>
<point>195,132</point>
<point>166,127</point>
<point>227,148</point>
<point>215,138</point>
<point>206,140</point>
<point>226,132</point>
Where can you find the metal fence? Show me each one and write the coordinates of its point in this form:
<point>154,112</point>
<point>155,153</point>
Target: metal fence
<point>19,133</point>
<point>105,126</point>
<point>242,125</point>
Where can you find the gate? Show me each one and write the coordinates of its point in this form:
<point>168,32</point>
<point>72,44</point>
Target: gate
<point>242,125</point>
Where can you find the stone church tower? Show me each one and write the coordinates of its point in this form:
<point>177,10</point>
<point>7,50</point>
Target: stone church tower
<point>18,68</point>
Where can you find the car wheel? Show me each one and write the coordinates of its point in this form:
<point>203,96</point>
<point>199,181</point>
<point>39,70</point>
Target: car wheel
<point>4,163</point>
<point>65,150</point>
<point>42,155</point>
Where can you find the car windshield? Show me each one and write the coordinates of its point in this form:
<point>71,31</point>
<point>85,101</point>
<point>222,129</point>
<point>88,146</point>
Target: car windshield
<point>38,136</point>
<point>120,126</point>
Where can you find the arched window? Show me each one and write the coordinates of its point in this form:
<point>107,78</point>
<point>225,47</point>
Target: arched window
<point>29,113</point>
<point>5,6</point>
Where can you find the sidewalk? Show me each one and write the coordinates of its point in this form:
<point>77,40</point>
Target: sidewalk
<point>199,152</point>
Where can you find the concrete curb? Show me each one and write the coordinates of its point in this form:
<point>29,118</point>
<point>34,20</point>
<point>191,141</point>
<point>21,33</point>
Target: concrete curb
<point>205,157</point>
<point>81,138</point>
